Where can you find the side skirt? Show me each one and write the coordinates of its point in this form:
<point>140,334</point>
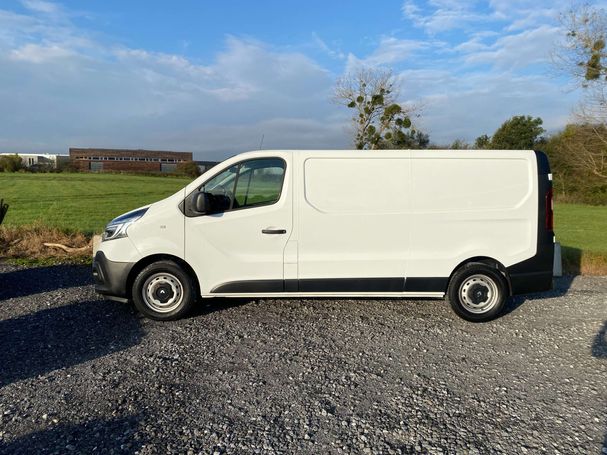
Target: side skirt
<point>434,295</point>
<point>403,287</point>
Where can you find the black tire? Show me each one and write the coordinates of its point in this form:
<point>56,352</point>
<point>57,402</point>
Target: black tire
<point>477,292</point>
<point>163,291</point>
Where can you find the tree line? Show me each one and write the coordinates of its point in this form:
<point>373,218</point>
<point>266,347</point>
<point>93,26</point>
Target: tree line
<point>14,163</point>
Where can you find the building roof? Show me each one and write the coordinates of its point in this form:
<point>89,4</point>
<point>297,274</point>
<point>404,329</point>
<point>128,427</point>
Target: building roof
<point>103,152</point>
<point>46,155</point>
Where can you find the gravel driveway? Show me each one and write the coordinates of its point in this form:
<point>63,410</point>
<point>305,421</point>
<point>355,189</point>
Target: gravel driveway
<point>82,375</point>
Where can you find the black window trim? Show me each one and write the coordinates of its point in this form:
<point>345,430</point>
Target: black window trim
<point>239,164</point>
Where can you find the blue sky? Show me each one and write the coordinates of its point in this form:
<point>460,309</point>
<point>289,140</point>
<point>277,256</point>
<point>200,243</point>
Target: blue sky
<point>213,77</point>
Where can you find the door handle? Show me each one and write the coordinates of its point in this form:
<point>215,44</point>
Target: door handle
<point>273,231</point>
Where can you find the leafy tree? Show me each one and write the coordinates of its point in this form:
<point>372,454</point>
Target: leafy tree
<point>482,142</point>
<point>412,139</point>
<point>188,168</point>
<point>578,158</point>
<point>379,121</point>
<point>10,163</point>
<point>519,133</point>
<point>459,144</point>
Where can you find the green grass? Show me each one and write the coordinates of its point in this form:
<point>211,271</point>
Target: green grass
<point>79,202</point>
<point>582,232</point>
<point>581,226</point>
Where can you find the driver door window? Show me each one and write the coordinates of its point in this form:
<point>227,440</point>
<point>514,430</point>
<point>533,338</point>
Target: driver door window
<point>259,183</point>
<point>252,183</point>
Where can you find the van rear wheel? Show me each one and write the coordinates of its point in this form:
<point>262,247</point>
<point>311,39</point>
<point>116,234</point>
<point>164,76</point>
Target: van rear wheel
<point>477,292</point>
<point>163,291</point>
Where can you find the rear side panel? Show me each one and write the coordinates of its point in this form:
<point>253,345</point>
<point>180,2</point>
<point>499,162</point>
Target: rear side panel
<point>468,204</point>
<point>535,273</point>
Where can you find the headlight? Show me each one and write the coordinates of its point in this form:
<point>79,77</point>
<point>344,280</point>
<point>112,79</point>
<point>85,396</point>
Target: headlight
<point>117,228</point>
<point>116,231</point>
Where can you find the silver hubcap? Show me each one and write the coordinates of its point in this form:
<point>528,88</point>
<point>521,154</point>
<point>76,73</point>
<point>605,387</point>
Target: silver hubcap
<point>478,294</point>
<point>162,292</point>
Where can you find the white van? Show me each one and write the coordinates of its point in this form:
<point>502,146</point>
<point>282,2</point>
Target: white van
<point>474,226</point>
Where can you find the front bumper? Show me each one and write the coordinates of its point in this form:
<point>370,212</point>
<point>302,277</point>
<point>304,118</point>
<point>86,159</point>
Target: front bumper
<point>111,278</point>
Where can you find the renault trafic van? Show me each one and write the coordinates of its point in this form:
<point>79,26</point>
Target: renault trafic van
<point>474,226</point>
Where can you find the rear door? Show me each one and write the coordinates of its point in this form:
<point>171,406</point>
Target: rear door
<point>240,249</point>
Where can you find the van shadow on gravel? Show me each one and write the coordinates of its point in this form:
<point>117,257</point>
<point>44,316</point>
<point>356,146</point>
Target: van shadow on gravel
<point>94,436</point>
<point>599,350</point>
<point>561,287</point>
<point>211,305</point>
<point>64,336</point>
<point>23,282</point>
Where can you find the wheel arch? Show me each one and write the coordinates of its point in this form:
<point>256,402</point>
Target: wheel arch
<point>486,260</point>
<point>144,262</point>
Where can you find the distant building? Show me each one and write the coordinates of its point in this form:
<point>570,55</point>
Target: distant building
<point>99,160</point>
<point>204,166</point>
<point>42,160</point>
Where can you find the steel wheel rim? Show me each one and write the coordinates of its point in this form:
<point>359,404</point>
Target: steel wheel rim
<point>478,294</point>
<point>162,292</point>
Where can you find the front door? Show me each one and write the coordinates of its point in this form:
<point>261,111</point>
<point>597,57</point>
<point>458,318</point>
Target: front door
<point>240,247</point>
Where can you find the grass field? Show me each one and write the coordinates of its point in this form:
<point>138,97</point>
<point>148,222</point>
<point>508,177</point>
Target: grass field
<point>79,202</point>
<point>582,232</point>
<point>86,202</point>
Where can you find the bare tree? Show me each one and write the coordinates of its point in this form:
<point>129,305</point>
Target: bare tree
<point>379,122</point>
<point>585,149</point>
<point>581,55</point>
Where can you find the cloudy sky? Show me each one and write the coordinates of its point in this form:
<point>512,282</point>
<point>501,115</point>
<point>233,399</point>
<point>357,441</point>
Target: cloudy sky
<point>212,77</point>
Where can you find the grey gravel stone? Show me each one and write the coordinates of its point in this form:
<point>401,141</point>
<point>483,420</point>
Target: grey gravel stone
<point>82,375</point>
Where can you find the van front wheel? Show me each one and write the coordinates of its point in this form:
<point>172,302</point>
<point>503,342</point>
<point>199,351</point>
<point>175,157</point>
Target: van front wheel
<point>163,291</point>
<point>477,292</point>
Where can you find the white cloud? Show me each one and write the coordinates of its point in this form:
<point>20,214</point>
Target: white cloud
<point>466,106</point>
<point>36,53</point>
<point>474,44</point>
<point>330,51</point>
<point>511,40</point>
<point>440,16</point>
<point>389,53</point>
<point>533,18</point>
<point>392,50</point>
<point>278,132</point>
<point>519,50</point>
<point>521,8</point>
<point>41,6</point>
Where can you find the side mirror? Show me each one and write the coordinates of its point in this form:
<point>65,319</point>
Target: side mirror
<point>202,202</point>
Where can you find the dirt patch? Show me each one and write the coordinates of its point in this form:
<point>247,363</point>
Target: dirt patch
<point>579,262</point>
<point>27,243</point>
<point>593,264</point>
